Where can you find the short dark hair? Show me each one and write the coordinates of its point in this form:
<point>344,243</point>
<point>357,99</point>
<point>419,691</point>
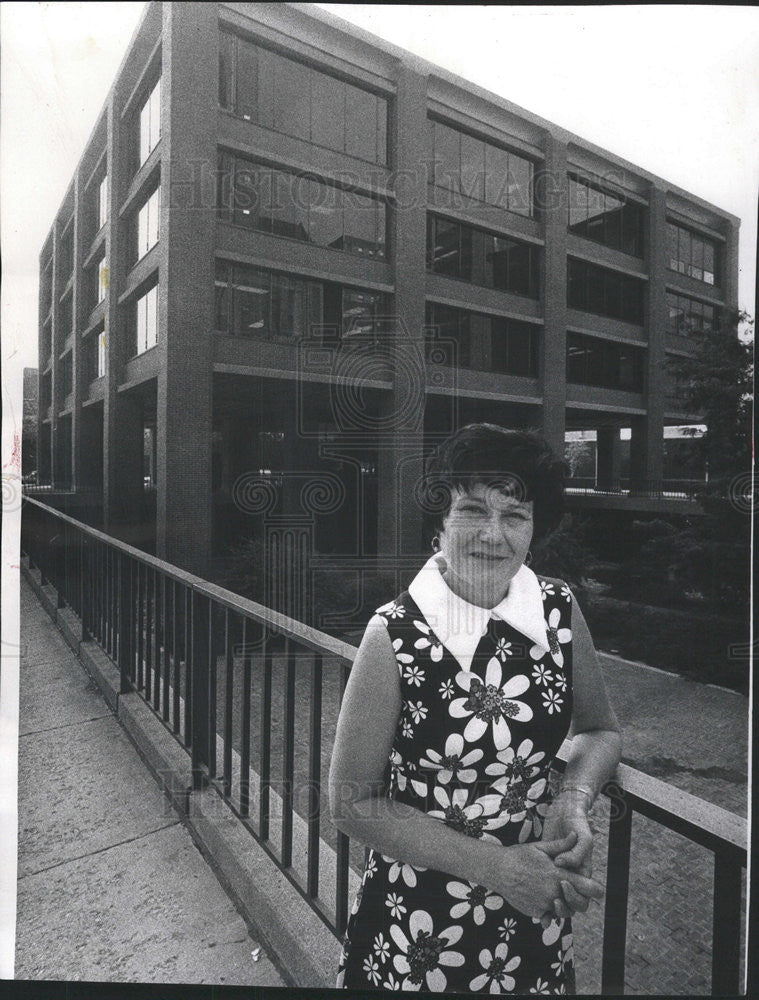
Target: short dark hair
<point>520,461</point>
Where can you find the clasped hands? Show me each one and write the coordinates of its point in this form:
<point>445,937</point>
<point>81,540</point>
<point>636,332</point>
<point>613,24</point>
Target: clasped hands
<point>568,841</point>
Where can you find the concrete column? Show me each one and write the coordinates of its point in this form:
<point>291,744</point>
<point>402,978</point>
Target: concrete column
<point>609,458</point>
<point>122,423</point>
<point>647,440</point>
<point>79,374</point>
<point>730,265</point>
<point>552,193</point>
<point>56,393</point>
<point>189,116</point>
<point>401,445</point>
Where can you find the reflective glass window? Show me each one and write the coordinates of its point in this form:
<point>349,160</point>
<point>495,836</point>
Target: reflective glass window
<point>246,103</point>
<point>292,108</point>
<point>325,216</point>
<point>520,185</point>
<point>496,176</point>
<point>472,175</point>
<point>447,157</point>
<point>360,123</point>
<point>226,70</point>
<point>328,111</point>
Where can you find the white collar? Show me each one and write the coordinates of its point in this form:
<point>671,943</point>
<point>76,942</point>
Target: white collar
<point>460,625</point>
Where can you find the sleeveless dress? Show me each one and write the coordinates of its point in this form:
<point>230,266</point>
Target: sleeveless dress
<point>473,748</point>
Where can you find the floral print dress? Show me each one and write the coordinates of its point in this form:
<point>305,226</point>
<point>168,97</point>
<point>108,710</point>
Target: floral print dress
<point>473,749</point>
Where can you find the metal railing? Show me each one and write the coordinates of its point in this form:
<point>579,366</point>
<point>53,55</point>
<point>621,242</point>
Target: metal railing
<point>197,653</point>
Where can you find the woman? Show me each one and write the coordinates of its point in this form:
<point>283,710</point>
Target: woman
<point>466,685</point>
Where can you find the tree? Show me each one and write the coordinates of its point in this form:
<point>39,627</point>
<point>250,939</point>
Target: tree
<point>717,381</point>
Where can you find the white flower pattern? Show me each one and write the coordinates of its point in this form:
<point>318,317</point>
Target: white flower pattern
<point>491,703</point>
<point>473,750</point>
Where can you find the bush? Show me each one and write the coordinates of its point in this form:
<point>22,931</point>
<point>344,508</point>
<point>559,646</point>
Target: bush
<point>701,647</point>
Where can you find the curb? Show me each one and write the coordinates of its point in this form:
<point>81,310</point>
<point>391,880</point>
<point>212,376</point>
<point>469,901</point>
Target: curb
<point>302,947</point>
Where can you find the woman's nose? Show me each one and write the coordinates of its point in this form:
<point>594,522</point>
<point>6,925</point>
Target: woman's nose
<point>492,530</point>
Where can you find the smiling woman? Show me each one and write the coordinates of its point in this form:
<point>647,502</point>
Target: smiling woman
<point>466,685</point>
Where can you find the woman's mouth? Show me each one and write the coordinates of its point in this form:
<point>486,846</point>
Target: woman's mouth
<point>489,557</point>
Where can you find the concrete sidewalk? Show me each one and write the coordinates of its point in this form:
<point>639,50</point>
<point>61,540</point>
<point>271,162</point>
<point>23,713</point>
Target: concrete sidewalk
<point>110,884</point>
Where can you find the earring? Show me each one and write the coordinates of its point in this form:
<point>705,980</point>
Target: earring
<point>436,543</point>
<point>528,558</point>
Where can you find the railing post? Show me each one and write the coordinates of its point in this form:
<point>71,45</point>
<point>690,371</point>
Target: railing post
<point>84,588</point>
<point>726,924</point>
<point>314,776</point>
<point>200,628</point>
<point>125,623</point>
<point>617,886</point>
<point>288,757</point>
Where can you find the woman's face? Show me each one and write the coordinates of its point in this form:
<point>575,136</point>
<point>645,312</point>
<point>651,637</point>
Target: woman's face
<point>485,539</point>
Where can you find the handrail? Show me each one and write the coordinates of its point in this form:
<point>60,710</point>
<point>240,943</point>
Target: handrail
<point>179,640</point>
<point>706,823</point>
<point>313,638</point>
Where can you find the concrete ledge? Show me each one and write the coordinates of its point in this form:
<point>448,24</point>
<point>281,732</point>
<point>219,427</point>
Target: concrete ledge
<point>70,627</point>
<point>285,922</point>
<point>168,762</point>
<point>102,670</point>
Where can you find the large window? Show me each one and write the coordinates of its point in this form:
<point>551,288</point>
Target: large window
<point>102,214</point>
<point>481,257</point>
<point>605,218</point>
<point>146,320</point>
<point>148,223</point>
<point>510,346</point>
<point>687,315</point>
<point>66,252</point>
<point>598,290</point>
<point>300,207</point>
<point>282,94</point>
<point>693,255</point>
<point>67,373</point>
<point>103,279</point>
<point>150,123</point>
<point>605,363</point>
<point>466,165</point>
<point>253,302</point>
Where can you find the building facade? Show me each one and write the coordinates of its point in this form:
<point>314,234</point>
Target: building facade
<point>293,256</point>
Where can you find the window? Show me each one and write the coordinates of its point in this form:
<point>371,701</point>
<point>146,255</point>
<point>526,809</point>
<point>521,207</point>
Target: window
<point>149,223</point>
<point>46,288</point>
<point>605,218</point>
<point>146,320</point>
<point>604,363</point>
<point>687,315</point>
<point>101,354</point>
<point>67,318</point>
<point>513,347</point>
<point>445,323</point>
<point>476,255</point>
<point>600,290</point>
<point>102,203</point>
<point>475,168</point>
<point>693,255</point>
<point>254,302</point>
<point>66,252</point>
<point>150,123</point>
<point>279,93</point>
<point>67,373</point>
<point>362,312</point>
<point>300,207</point>
<point>103,280</point>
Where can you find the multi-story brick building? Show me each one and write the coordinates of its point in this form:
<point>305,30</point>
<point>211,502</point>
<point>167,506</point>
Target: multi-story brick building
<point>290,246</point>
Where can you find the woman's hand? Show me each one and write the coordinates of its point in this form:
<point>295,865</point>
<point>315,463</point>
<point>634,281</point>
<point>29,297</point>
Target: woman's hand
<point>566,815</point>
<point>532,883</point>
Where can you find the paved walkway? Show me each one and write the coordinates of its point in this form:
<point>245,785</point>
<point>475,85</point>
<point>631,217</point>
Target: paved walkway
<point>110,884</point>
